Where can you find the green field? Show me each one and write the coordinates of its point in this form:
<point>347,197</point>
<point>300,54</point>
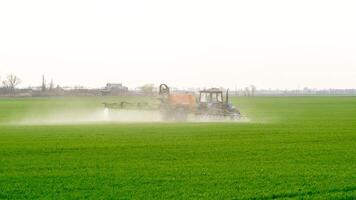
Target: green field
<point>293,147</point>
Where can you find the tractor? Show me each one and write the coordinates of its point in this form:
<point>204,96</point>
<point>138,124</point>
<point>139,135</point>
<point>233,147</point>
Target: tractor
<point>210,103</point>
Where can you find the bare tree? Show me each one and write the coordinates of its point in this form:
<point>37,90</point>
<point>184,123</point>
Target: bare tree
<point>247,91</point>
<point>253,90</point>
<point>11,82</point>
<point>5,84</point>
<point>51,85</point>
<point>147,89</point>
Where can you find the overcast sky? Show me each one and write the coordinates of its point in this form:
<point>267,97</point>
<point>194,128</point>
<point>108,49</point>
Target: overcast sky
<point>185,43</point>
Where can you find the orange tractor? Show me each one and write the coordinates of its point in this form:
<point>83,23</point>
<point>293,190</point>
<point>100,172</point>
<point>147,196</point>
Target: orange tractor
<point>210,103</point>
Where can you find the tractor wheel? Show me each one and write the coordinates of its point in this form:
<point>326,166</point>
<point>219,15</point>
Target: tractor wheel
<point>166,115</point>
<point>235,116</point>
<point>181,114</point>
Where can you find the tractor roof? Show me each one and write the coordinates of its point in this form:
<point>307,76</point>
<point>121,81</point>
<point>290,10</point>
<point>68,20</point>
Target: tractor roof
<point>211,90</point>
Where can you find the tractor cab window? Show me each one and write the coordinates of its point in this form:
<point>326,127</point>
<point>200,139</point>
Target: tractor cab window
<point>216,97</point>
<point>211,97</point>
<point>205,97</point>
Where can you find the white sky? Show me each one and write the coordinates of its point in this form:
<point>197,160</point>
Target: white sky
<point>185,43</point>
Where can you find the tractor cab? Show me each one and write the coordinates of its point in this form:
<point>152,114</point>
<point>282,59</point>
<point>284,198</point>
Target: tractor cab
<point>212,102</point>
<point>211,96</point>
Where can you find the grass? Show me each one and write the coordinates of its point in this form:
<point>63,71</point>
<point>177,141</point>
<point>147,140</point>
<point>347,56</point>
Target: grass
<point>295,147</point>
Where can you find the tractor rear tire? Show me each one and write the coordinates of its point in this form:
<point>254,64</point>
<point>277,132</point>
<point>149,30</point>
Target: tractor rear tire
<point>181,114</point>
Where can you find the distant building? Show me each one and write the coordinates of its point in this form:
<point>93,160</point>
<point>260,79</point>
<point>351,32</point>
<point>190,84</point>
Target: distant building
<point>114,89</point>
